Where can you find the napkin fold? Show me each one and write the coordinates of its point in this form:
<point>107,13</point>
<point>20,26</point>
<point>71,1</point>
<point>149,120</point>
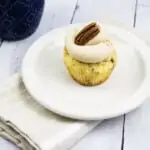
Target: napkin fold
<point>30,126</point>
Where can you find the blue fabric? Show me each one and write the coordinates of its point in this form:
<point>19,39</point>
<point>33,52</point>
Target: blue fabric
<point>19,18</point>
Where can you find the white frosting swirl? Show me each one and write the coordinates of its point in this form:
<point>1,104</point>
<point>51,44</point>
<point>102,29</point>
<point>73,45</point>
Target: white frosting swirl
<point>94,51</point>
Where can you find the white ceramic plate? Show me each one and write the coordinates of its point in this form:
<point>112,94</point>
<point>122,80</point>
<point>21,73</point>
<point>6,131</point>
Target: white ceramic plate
<point>48,81</point>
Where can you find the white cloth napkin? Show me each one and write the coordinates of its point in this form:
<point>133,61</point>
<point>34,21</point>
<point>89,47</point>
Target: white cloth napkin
<point>30,126</point>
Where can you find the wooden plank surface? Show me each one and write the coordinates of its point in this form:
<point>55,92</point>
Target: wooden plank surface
<point>143,19</point>
<point>137,129</point>
<point>137,123</point>
<point>108,136</point>
<point>121,10</point>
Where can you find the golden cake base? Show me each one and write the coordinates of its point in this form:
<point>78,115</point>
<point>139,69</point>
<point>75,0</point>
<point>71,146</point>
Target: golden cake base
<point>90,74</point>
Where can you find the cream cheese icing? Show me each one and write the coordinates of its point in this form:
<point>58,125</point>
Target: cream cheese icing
<point>95,50</point>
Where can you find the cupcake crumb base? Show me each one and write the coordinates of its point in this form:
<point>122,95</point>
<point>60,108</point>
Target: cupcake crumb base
<point>88,74</point>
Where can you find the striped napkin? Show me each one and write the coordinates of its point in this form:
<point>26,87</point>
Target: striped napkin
<point>32,127</point>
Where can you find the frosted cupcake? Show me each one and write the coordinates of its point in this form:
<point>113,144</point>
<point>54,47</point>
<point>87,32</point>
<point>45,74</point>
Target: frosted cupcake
<point>89,54</point>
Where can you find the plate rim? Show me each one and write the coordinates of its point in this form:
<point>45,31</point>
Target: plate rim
<point>73,116</point>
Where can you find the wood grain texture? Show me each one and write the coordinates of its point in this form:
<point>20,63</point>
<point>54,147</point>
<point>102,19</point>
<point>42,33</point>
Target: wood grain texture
<point>137,129</point>
<point>137,124</point>
<point>122,10</point>
<point>143,19</point>
<point>107,136</point>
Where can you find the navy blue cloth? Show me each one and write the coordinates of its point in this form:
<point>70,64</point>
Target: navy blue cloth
<point>19,18</point>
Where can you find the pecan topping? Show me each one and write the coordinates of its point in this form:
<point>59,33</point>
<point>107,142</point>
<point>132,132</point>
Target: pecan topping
<point>87,33</point>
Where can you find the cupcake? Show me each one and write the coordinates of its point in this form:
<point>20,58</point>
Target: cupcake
<point>89,54</point>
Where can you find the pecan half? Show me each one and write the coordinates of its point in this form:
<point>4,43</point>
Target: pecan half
<point>87,33</point>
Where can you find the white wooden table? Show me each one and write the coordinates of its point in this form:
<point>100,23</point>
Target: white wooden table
<point>129,132</point>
